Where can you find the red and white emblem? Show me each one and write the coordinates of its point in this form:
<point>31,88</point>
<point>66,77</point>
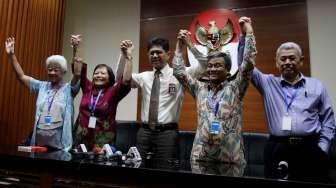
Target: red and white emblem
<point>215,30</point>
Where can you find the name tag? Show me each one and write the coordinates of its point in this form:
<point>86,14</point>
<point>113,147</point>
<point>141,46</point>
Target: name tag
<point>92,122</point>
<point>215,127</point>
<point>47,120</point>
<point>286,123</point>
<point>172,88</point>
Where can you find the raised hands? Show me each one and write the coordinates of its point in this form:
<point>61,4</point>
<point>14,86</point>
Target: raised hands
<point>126,47</point>
<point>75,40</point>
<point>183,38</point>
<point>10,45</point>
<point>77,66</point>
<point>245,24</point>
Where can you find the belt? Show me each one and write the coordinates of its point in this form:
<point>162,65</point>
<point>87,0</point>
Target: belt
<point>160,127</point>
<point>295,140</point>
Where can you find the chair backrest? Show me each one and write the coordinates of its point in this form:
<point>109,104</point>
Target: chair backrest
<point>254,143</point>
<point>126,135</point>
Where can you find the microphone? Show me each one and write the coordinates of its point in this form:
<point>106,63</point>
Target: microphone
<point>107,150</point>
<point>134,154</point>
<point>283,170</point>
<point>83,148</point>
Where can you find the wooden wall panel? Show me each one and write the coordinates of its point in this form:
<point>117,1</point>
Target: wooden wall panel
<point>274,22</point>
<point>37,26</point>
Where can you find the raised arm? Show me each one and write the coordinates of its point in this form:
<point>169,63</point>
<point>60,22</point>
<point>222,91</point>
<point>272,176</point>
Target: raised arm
<point>120,66</point>
<point>186,38</point>
<point>247,64</point>
<point>10,50</point>
<point>250,50</point>
<point>126,48</point>
<point>195,70</point>
<point>179,68</point>
<point>75,41</point>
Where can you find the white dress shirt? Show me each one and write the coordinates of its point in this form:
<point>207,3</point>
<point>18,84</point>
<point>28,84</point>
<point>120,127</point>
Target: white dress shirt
<point>170,99</point>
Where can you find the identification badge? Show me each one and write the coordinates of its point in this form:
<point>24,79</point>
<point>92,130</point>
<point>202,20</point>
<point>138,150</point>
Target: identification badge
<point>92,122</point>
<point>47,119</point>
<point>215,127</point>
<point>172,88</point>
<point>286,123</point>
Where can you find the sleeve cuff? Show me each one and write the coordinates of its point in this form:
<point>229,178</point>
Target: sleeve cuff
<point>178,54</point>
<point>324,146</point>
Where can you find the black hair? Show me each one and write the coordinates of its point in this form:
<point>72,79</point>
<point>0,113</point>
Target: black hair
<point>109,72</point>
<point>225,56</point>
<point>158,41</point>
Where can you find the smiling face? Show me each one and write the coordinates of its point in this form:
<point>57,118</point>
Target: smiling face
<point>55,73</point>
<point>216,70</point>
<point>289,63</point>
<point>158,57</point>
<point>100,77</point>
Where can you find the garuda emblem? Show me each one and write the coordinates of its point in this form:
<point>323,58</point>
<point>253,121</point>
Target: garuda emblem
<point>214,38</point>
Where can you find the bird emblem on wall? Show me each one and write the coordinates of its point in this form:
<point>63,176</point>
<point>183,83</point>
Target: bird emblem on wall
<point>213,38</point>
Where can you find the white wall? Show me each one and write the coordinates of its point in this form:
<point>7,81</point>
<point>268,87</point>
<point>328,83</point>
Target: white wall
<point>322,42</point>
<point>103,24</point>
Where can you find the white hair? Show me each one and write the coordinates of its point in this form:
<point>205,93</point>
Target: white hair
<point>288,46</point>
<point>58,59</point>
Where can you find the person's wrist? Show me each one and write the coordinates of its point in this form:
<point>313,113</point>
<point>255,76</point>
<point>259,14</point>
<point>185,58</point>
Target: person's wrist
<point>129,57</point>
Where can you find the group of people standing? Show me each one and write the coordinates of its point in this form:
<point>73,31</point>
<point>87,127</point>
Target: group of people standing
<point>298,109</point>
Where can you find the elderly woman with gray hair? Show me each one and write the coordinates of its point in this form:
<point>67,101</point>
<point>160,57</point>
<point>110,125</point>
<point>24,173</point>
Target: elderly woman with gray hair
<point>54,105</point>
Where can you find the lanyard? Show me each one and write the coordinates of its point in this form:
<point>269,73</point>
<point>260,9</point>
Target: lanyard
<point>289,102</point>
<point>51,98</point>
<point>93,104</point>
<point>214,105</point>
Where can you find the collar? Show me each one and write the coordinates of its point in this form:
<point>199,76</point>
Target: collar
<point>300,80</point>
<point>221,86</point>
<point>164,70</point>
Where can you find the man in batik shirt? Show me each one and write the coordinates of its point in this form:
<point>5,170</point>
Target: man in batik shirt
<point>219,102</point>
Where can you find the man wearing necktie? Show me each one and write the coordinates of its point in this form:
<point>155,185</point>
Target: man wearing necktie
<point>162,97</point>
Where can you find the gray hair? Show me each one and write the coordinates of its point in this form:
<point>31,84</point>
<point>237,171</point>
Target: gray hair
<point>288,46</point>
<point>58,59</point>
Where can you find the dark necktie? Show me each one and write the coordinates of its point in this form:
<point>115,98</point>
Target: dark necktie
<point>154,100</point>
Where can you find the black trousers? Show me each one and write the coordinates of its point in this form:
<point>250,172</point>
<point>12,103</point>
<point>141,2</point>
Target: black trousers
<point>157,144</point>
<point>306,161</point>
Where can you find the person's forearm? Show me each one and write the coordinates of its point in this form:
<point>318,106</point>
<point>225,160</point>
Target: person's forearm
<point>127,75</point>
<point>202,59</point>
<point>75,79</point>
<point>120,66</point>
<point>249,51</point>
<point>18,70</point>
<point>179,68</point>
<point>16,66</point>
